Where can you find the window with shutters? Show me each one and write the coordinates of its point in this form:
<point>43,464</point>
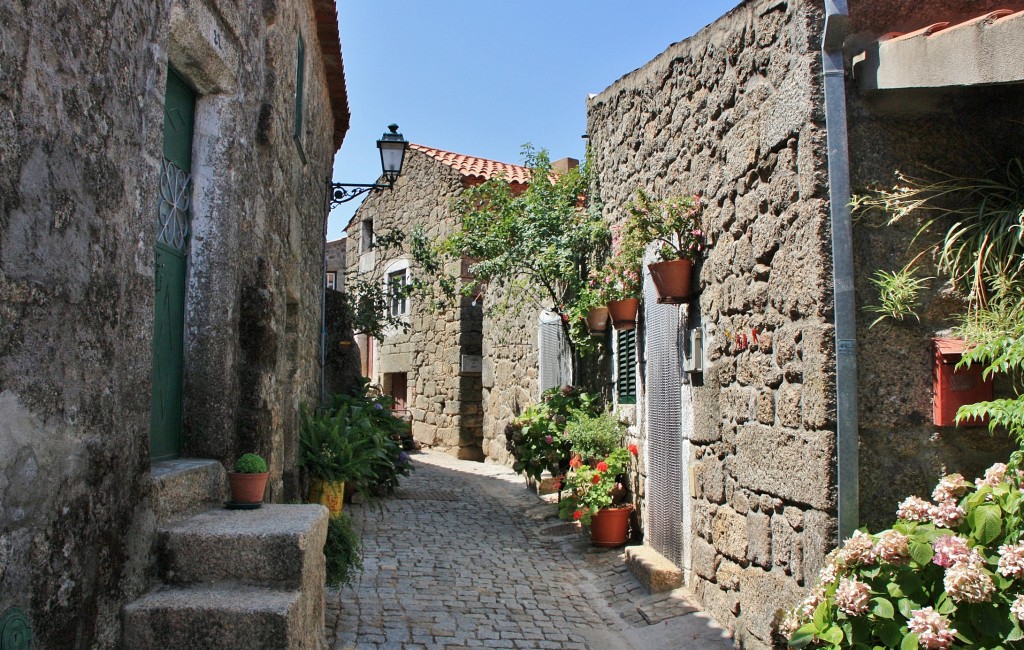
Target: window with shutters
<point>625,367</point>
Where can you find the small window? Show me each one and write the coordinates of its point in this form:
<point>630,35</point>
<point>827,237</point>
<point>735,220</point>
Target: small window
<point>300,86</point>
<point>332,280</point>
<point>399,299</point>
<point>366,236</point>
<point>625,367</point>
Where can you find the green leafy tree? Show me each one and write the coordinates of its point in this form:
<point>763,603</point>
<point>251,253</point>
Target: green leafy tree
<point>537,244</point>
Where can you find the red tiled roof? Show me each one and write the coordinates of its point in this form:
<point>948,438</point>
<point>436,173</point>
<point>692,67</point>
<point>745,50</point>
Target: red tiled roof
<point>330,48</point>
<point>476,168</point>
<point>945,28</point>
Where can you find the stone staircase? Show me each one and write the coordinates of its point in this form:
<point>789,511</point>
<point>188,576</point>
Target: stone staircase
<point>228,578</point>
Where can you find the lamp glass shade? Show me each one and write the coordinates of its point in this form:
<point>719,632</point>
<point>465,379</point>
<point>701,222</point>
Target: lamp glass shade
<point>392,153</point>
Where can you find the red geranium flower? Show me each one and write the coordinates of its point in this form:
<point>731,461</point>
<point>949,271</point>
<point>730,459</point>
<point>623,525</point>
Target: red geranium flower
<point>602,466</point>
<point>578,514</point>
<point>576,461</point>
<point>596,479</point>
<point>633,450</point>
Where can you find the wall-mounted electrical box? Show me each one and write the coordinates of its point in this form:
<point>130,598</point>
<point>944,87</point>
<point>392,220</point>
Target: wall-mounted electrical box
<point>953,387</point>
<point>693,350</point>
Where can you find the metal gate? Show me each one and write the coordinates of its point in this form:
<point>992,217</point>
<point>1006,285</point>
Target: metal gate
<point>664,428</point>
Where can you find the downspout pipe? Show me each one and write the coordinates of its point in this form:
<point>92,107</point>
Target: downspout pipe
<point>847,437</point>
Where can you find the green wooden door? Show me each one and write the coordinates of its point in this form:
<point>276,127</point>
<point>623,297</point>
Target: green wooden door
<point>171,245</point>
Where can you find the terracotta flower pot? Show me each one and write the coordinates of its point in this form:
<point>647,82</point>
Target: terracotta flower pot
<point>247,488</point>
<point>610,526</point>
<point>623,313</point>
<point>672,280</point>
<point>597,320</point>
<point>328,493</point>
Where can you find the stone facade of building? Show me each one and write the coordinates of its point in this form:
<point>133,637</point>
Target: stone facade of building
<point>82,92</point>
<point>423,367</point>
<point>733,114</point>
<point>736,114</point>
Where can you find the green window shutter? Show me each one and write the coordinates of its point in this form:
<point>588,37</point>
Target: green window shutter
<point>300,83</point>
<point>625,371</point>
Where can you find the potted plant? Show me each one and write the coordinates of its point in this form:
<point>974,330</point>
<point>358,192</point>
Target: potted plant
<point>591,307</point>
<point>248,481</point>
<point>598,497</point>
<point>618,285</point>
<point>536,438</point>
<point>332,456</point>
<point>674,225</point>
<point>595,436</point>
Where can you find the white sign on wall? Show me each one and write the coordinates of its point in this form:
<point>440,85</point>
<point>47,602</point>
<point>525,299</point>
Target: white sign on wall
<point>472,364</point>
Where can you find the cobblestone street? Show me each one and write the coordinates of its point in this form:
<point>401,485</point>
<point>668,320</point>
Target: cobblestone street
<point>464,555</point>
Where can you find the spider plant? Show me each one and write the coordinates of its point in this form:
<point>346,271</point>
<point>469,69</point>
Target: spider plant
<point>983,246</point>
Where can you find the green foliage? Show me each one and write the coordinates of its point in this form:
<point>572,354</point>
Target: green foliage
<point>342,551</point>
<point>955,556</point>
<point>995,336</point>
<point>592,488</point>
<point>368,297</point>
<point>250,464</point>
<point>355,439</point>
<point>536,244</point>
<point>595,436</point>
<point>980,218</point>
<point>673,224</point>
<point>536,439</point>
<point>898,293</point>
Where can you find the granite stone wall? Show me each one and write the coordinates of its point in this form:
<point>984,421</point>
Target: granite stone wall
<point>81,116</point>
<point>969,132</point>
<point>734,114</point>
<point>444,403</point>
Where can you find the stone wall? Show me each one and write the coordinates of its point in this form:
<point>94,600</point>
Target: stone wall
<point>445,405</point>
<point>969,132</point>
<point>734,114</point>
<point>81,115</point>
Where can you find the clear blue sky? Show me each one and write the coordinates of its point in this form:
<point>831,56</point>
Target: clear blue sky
<point>483,78</point>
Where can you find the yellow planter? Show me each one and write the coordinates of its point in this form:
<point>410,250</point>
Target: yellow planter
<point>330,494</point>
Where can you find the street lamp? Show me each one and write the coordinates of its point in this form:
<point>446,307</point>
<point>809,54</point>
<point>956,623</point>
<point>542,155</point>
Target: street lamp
<point>392,154</point>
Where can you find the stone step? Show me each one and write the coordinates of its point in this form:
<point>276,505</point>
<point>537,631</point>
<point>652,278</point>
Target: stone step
<point>222,617</point>
<point>276,545</point>
<point>652,569</point>
<point>186,486</point>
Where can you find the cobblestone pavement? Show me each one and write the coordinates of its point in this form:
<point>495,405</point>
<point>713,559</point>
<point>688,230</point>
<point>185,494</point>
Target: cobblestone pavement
<point>465,556</point>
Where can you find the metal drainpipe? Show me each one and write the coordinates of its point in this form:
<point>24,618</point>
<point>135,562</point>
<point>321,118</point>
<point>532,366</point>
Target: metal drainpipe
<point>323,295</point>
<point>836,19</point>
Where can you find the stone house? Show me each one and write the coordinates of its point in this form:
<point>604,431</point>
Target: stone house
<point>803,423</point>
<point>434,370</point>
<point>162,222</point>
<point>334,265</point>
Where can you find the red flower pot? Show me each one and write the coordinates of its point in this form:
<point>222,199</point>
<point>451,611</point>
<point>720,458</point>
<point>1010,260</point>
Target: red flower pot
<point>623,313</point>
<point>672,280</point>
<point>597,320</point>
<point>247,488</point>
<point>610,526</point>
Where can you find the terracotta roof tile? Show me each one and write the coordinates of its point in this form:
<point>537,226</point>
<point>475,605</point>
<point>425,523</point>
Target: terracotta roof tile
<point>944,28</point>
<point>476,168</point>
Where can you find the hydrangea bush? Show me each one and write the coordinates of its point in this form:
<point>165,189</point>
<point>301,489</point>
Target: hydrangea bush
<point>949,573</point>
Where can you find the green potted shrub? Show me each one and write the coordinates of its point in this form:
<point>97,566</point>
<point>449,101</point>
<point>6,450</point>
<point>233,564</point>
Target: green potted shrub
<point>248,480</point>
<point>342,551</point>
<point>594,437</point>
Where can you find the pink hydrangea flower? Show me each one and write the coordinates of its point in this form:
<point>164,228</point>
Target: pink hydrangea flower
<point>950,488</point>
<point>811,602</point>
<point>948,514</point>
<point>968,582</point>
<point>993,476</point>
<point>932,629</point>
<point>1017,608</point>
<point>858,550</point>
<point>950,549</point>
<point>893,547</point>
<point>853,597</point>
<point>1011,560</point>
<point>914,509</point>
